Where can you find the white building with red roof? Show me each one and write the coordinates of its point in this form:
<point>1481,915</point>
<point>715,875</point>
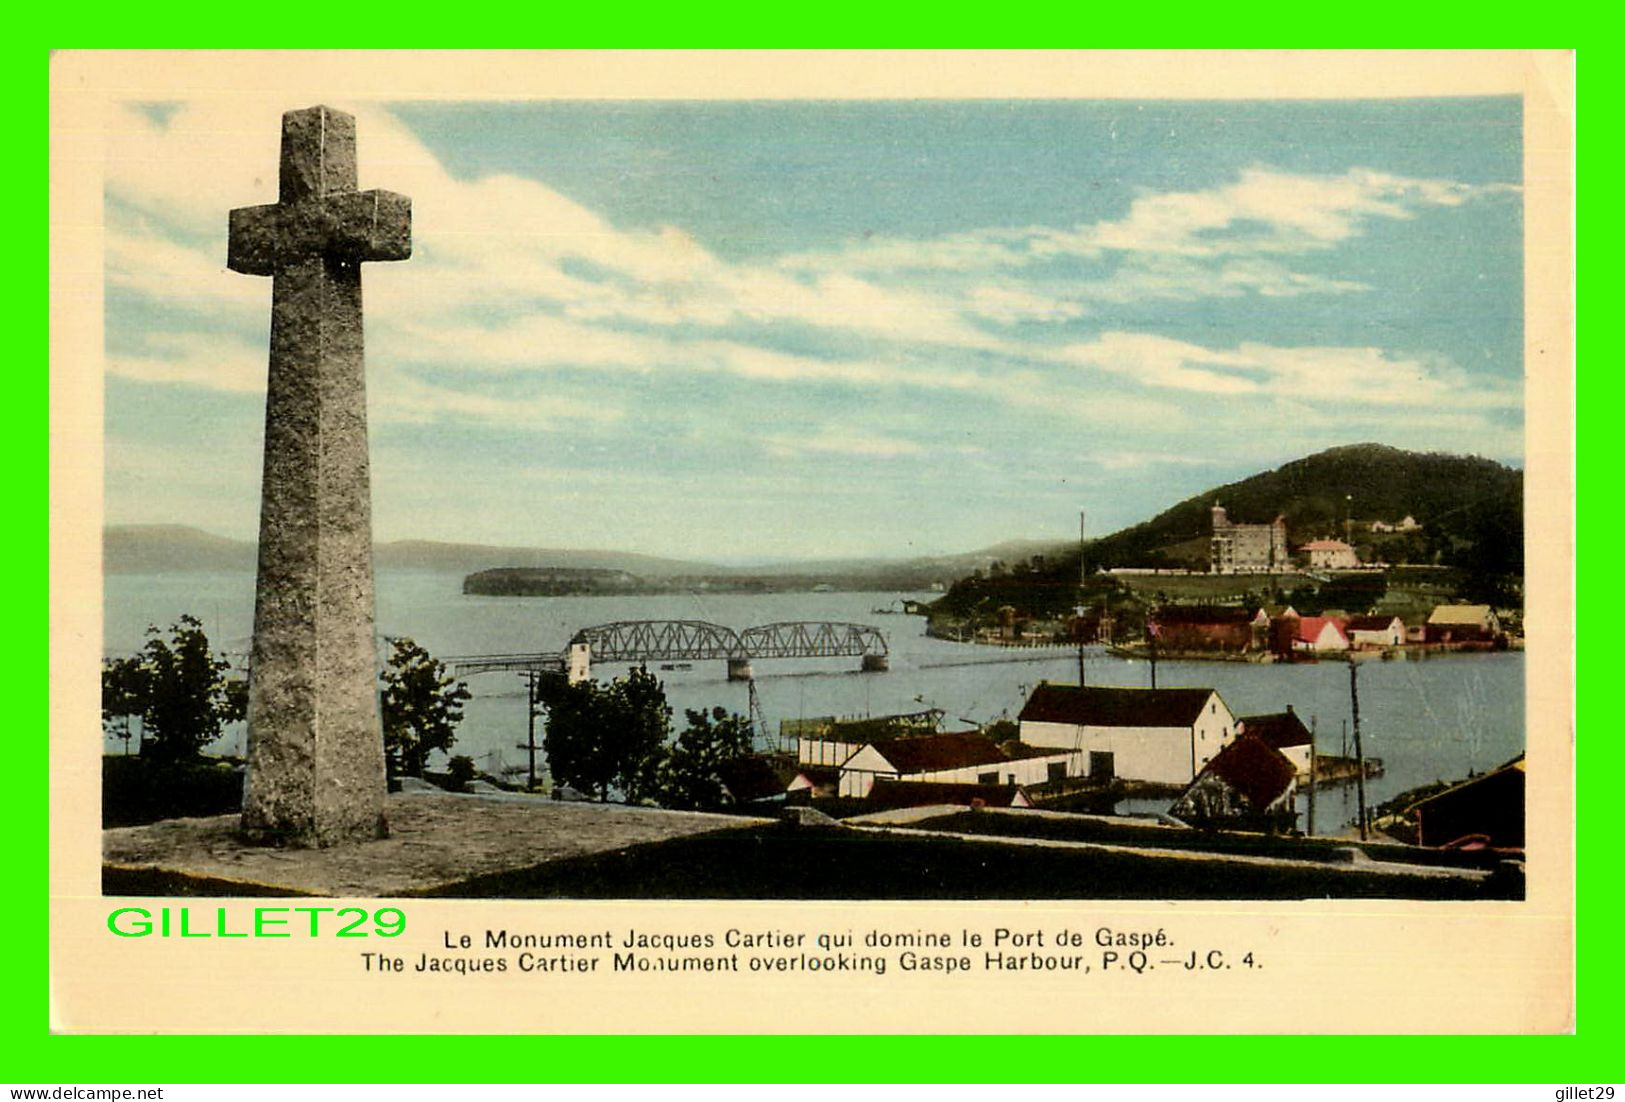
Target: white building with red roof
<point>1376,631</point>
<point>1160,735</point>
<point>1283,732</point>
<point>951,758</point>
<point>1321,635</point>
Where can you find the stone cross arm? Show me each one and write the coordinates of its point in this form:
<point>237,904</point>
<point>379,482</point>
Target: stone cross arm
<point>319,212</point>
<point>355,226</point>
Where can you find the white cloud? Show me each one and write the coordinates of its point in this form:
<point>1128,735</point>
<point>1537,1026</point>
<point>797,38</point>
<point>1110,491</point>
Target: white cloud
<point>518,296</point>
<point>1328,375</point>
<point>511,274</point>
<point>960,252</point>
<point>499,243</point>
<point>1148,277</point>
<point>512,277</point>
<point>1010,303</point>
<point>203,360</point>
<point>407,400</point>
<point>1373,377</point>
<point>1162,362</point>
<point>1265,211</point>
<point>529,341</point>
<point>144,260</point>
<point>754,362</point>
<point>1118,461</point>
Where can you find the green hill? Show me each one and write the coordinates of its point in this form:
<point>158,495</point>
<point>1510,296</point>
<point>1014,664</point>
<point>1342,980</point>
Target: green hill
<point>1470,511</point>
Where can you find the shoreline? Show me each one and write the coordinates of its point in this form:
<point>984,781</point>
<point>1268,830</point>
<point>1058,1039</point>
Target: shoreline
<point>1412,652</point>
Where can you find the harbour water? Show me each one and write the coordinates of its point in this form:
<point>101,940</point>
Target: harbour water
<point>1431,719</point>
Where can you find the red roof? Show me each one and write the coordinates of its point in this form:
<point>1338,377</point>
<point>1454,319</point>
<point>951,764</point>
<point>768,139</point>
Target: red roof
<point>1310,627</point>
<point>1261,773</point>
<point>1279,729</point>
<point>1110,707</point>
<point>955,750</point>
<point>929,753</point>
<point>1326,545</point>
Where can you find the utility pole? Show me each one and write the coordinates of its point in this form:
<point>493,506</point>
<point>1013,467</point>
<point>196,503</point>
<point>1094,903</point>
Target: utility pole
<point>1314,722</point>
<point>530,725</point>
<point>1083,581</point>
<point>1359,754</point>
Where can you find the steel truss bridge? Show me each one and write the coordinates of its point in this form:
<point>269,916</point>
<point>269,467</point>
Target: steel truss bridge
<point>692,641</point>
<point>463,665</point>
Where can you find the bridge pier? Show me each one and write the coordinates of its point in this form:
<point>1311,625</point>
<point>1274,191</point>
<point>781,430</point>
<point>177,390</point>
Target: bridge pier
<point>875,663</point>
<point>739,670</point>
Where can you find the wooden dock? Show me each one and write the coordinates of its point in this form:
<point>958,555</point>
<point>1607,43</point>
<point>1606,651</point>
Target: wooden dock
<point>1330,769</point>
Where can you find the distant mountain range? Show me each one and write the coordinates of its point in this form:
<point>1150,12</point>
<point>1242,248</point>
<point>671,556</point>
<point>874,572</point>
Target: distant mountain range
<point>173,548</point>
<point>1470,510</point>
<point>177,548</point>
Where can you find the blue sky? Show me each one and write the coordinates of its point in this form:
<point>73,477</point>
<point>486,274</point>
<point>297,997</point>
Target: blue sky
<point>798,329</point>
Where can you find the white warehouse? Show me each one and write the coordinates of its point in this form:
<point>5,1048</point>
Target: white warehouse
<point>1161,735</point>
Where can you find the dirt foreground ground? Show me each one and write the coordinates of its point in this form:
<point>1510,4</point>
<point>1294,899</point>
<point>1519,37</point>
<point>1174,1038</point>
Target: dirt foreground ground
<point>435,841</point>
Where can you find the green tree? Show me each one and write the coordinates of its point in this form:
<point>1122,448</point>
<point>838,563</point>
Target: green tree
<point>609,736</point>
<point>574,739</point>
<point>122,689</point>
<point>177,688</point>
<point>421,706</point>
<point>646,727</point>
<point>460,770</point>
<point>689,779</point>
<point>1003,730</point>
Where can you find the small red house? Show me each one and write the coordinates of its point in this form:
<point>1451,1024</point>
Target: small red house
<point>1248,786</point>
<point>1282,731</point>
<point>1320,635</point>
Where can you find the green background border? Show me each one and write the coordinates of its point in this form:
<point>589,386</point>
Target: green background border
<point>30,1054</point>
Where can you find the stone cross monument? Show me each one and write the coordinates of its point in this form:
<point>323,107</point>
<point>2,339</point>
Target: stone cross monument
<point>315,746</point>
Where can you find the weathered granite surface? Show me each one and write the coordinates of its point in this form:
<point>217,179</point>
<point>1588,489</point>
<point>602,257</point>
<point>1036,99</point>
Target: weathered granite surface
<point>315,746</point>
